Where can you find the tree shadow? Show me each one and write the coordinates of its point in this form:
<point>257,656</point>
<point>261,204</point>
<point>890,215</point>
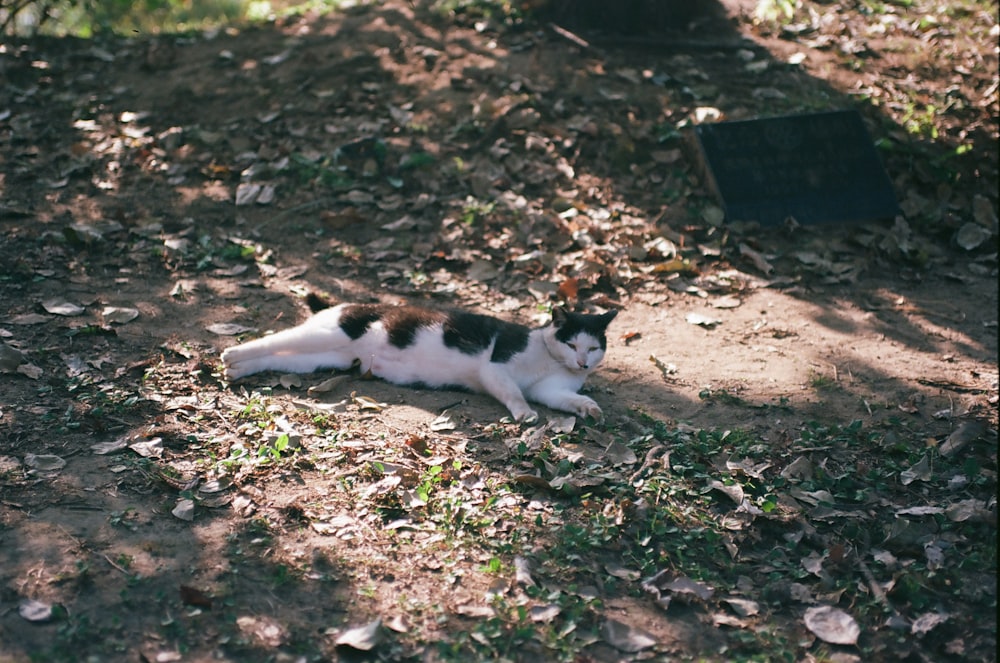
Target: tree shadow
<point>283,105</point>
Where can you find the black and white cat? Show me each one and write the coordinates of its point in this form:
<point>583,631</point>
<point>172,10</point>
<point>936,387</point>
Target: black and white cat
<point>410,345</point>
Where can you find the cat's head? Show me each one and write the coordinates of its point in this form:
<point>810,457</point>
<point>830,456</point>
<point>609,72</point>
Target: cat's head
<point>578,340</point>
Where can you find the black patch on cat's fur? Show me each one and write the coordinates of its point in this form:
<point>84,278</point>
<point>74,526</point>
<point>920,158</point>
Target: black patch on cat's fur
<point>569,325</point>
<point>357,318</point>
<point>471,333</point>
<point>403,322</point>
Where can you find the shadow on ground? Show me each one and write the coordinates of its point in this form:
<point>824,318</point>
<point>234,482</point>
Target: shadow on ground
<point>390,154</point>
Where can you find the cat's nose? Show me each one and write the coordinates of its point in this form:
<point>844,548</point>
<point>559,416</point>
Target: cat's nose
<point>581,363</point>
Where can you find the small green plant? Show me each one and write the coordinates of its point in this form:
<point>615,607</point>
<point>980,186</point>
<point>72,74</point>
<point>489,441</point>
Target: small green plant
<point>125,519</point>
<point>781,12</point>
<point>494,566</point>
<point>476,210</point>
<point>270,452</point>
<point>921,122</point>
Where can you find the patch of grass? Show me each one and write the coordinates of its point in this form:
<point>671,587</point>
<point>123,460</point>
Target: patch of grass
<point>821,382</point>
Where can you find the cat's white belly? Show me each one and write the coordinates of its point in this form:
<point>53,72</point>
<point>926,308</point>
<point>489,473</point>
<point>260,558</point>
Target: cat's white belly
<point>436,367</point>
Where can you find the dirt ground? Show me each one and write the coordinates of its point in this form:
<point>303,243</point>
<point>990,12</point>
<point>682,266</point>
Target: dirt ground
<point>161,198</point>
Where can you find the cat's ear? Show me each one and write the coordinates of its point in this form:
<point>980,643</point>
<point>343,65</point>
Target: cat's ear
<point>606,318</point>
<point>559,316</point>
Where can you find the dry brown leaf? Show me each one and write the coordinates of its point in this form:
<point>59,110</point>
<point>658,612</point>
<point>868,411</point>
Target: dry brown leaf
<point>569,289</point>
<point>832,625</point>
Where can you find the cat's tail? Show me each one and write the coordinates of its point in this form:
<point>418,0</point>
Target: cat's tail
<point>317,302</point>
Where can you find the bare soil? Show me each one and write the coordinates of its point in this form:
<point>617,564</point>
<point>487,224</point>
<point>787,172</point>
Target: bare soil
<point>208,180</point>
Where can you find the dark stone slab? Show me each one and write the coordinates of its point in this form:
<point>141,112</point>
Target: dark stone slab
<point>817,168</point>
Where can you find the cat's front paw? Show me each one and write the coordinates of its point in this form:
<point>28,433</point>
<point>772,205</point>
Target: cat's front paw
<point>588,408</point>
<point>524,415</point>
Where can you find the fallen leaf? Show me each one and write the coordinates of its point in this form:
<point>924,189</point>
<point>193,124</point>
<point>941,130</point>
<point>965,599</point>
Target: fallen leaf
<point>928,621</point>
<point>265,630</point>
<point>920,511</point>
<point>290,380</point>
<point>522,571</point>
<point>358,197</point>
<point>967,432</point>
<point>383,486</point>
<point>29,319</point>
<point>684,585</point>
<point>34,611</point>
<point>544,613</point>
<point>366,403</point>
<point>617,571</point>
<point>725,619</point>
<point>266,196</point>
<point>243,505</point>
<point>246,193</point>
<point>733,491</point>
<point>569,289</point>
<point>921,470</point>
<point>970,509</point>
<point>626,638</point>
<point>62,307</point>
<point>813,563</point>
<point>405,222</point>
<point>442,423</point>
<point>983,212</point>
<point>119,315</point>
<point>971,236</point>
<point>561,424</point>
<point>727,302</point>
<point>832,625</point>
<point>151,448</point>
<point>104,448</point>
<point>743,607</point>
<point>531,480</point>
<point>45,463</point>
<point>9,465</point>
<point>702,320</point>
<point>628,337</point>
<point>755,257</point>
<point>229,329</point>
<point>30,370</point>
<point>362,638</point>
<point>329,385</point>
<point>10,358</point>
<point>184,510</point>
<point>620,454</point>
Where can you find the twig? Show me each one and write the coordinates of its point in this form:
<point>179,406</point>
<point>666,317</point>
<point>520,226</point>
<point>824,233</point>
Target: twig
<point>108,559</point>
<point>566,34</point>
<point>82,545</point>
<point>651,457</point>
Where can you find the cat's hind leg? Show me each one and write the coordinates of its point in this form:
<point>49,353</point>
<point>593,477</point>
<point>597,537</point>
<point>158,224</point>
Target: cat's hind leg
<point>317,343</point>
